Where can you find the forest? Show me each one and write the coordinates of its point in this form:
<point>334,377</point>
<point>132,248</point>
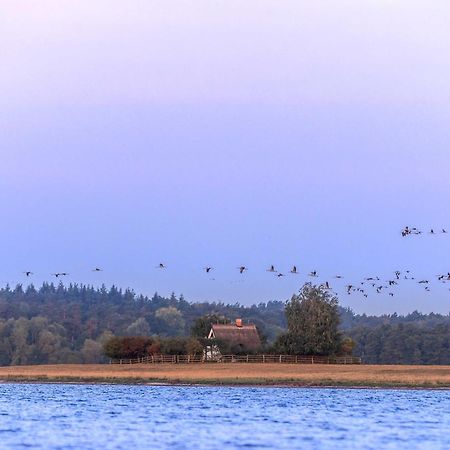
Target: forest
<point>71,324</point>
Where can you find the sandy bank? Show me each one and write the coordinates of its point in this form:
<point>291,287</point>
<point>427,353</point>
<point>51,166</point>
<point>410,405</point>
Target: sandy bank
<point>234,374</point>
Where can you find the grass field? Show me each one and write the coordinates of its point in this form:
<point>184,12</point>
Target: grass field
<point>235,374</point>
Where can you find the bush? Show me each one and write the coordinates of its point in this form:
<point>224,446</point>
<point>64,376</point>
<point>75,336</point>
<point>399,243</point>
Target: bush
<point>127,347</point>
<point>173,346</point>
<point>194,347</point>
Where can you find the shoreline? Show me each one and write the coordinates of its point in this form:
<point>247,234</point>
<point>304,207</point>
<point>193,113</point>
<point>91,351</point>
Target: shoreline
<point>220,384</point>
<point>239,375</point>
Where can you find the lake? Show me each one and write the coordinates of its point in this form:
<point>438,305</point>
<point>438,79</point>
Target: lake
<point>64,416</point>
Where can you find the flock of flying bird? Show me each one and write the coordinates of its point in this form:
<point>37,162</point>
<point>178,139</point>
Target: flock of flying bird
<point>370,283</point>
<point>407,231</point>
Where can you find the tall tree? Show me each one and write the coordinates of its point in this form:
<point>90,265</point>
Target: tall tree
<point>313,323</point>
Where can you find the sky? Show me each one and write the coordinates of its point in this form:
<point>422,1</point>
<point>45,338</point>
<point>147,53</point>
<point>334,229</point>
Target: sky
<point>227,133</point>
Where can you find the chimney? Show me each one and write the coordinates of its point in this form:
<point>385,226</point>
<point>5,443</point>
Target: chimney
<point>239,323</point>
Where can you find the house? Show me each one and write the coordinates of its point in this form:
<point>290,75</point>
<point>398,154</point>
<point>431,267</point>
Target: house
<point>236,337</point>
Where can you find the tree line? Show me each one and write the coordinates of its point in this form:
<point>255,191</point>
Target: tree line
<point>71,324</point>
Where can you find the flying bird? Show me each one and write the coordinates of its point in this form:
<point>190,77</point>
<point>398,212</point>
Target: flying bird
<point>60,274</point>
<point>406,231</point>
<point>271,269</point>
<point>208,269</point>
<point>28,273</point>
<point>294,269</point>
<point>242,269</point>
<point>161,266</point>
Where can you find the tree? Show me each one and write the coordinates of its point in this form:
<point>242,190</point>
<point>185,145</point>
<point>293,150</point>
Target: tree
<point>113,348</point>
<point>347,346</point>
<point>105,337</point>
<point>139,327</point>
<point>313,320</point>
<point>49,344</point>
<point>19,338</point>
<point>92,352</point>
<point>173,346</point>
<point>194,347</point>
<point>171,321</point>
<point>202,325</point>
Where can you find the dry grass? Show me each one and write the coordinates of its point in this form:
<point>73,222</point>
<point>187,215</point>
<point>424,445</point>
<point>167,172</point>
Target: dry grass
<point>257,374</point>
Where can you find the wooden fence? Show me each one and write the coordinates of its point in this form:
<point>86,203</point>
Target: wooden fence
<point>280,359</point>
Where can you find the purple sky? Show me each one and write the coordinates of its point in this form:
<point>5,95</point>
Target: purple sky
<point>225,133</point>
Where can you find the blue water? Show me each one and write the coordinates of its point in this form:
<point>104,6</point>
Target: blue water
<point>58,416</point>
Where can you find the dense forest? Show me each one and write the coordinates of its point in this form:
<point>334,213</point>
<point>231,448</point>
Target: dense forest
<point>70,324</point>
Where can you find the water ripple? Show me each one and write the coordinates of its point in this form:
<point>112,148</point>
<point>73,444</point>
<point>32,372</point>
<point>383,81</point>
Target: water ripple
<point>159,417</point>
